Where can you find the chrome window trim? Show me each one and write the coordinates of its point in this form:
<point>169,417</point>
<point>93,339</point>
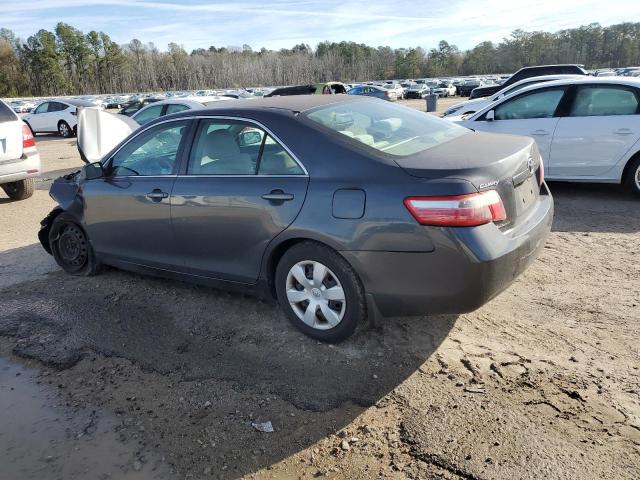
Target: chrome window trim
<point>144,128</point>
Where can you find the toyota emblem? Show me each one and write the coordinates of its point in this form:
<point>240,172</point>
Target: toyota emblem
<point>530,165</point>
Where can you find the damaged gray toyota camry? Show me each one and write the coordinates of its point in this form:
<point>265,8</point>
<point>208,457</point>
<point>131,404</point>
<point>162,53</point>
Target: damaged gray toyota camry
<point>338,207</point>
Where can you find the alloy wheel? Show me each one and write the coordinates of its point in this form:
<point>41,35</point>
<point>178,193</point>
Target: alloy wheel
<point>637,177</point>
<point>316,295</point>
<point>63,129</point>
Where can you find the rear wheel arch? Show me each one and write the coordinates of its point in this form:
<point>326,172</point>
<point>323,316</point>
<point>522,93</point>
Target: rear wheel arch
<point>30,129</point>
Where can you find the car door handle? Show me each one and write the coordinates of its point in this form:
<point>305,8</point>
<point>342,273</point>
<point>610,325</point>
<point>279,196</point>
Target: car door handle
<point>623,131</point>
<point>540,133</point>
<point>157,195</point>
<point>278,196</point>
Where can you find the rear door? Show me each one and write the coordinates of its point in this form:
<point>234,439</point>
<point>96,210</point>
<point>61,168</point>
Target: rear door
<point>53,116</point>
<point>10,135</point>
<point>239,189</point>
<point>532,114</point>
<point>602,124</point>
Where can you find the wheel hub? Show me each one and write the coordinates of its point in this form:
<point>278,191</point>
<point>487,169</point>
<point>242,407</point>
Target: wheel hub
<point>315,295</point>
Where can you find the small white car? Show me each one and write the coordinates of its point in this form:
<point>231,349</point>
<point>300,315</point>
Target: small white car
<point>587,129</point>
<point>463,110</point>
<point>53,116</point>
<point>19,159</point>
<point>395,90</point>
<point>175,105</point>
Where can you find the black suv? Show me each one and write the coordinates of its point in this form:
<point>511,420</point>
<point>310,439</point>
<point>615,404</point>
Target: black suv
<point>528,72</point>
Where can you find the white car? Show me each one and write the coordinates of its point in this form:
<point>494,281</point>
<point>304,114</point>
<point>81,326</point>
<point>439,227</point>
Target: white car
<point>463,110</point>
<point>587,129</point>
<point>174,105</point>
<point>395,90</point>
<point>19,159</point>
<point>53,116</point>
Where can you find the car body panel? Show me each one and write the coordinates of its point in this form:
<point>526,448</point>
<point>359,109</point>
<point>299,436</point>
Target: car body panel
<point>16,162</point>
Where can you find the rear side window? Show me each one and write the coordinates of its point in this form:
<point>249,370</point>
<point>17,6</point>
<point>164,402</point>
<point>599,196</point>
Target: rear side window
<point>56,107</point>
<point>6,114</point>
<point>533,105</point>
<point>604,100</point>
<point>175,108</point>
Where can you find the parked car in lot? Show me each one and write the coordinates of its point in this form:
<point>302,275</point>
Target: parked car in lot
<point>371,91</point>
<point>396,92</point>
<point>468,85</point>
<point>167,107</point>
<point>468,107</point>
<point>132,107</point>
<point>587,130</point>
<point>444,89</point>
<point>340,207</point>
<point>417,90</point>
<point>53,116</point>
<point>19,159</point>
<point>526,72</point>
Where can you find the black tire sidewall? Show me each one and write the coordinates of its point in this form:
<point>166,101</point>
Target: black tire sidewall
<point>90,266</point>
<point>70,134</point>
<point>630,181</point>
<point>354,292</point>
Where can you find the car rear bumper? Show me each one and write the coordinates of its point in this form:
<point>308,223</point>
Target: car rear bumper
<point>20,168</point>
<point>468,267</point>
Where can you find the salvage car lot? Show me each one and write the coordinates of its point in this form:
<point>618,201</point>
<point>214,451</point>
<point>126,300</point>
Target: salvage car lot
<point>542,382</point>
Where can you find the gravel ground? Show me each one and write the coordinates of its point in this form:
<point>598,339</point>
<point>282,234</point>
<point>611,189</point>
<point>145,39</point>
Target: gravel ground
<point>542,382</point>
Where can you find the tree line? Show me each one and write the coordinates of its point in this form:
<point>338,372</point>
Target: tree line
<point>70,62</point>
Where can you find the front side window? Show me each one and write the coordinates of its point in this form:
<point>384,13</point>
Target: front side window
<point>385,127</point>
<point>153,152</point>
<point>148,114</point>
<point>604,100</point>
<point>43,107</point>
<point>234,147</point>
<point>533,105</point>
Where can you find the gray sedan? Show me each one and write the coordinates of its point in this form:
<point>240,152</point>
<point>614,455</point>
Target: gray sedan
<point>338,207</point>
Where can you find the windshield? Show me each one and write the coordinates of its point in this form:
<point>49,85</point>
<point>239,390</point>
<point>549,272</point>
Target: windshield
<point>387,128</point>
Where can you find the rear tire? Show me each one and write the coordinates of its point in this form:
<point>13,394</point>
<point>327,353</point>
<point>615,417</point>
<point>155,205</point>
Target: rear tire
<point>20,190</point>
<point>329,301</point>
<point>65,130</point>
<point>632,177</point>
<point>71,248</point>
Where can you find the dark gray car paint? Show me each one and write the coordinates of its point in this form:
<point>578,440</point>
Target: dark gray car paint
<point>407,268</point>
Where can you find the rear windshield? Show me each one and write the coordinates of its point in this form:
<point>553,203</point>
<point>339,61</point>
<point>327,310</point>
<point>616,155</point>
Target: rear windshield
<point>6,114</point>
<point>387,128</point>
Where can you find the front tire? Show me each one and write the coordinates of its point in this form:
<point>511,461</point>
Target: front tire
<point>64,130</point>
<point>70,247</point>
<point>632,178</point>
<point>20,190</point>
<point>320,292</point>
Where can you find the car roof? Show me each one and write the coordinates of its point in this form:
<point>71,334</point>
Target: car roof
<point>629,81</point>
<point>289,103</point>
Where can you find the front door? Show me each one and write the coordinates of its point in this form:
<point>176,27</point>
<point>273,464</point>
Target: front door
<point>38,119</point>
<point>530,114</point>
<point>239,189</point>
<point>128,213</point>
<point>602,124</point>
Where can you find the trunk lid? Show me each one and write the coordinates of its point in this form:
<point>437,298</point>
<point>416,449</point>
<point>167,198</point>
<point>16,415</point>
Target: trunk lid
<point>99,132</point>
<point>507,163</point>
<point>10,134</point>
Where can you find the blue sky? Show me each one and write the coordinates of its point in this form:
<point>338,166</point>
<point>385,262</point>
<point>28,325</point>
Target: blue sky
<point>284,23</point>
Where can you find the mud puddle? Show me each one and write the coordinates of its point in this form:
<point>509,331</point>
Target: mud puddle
<point>42,438</point>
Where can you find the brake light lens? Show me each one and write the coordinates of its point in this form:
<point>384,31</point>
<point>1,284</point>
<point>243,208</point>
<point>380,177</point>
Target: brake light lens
<point>459,210</point>
<point>74,112</point>
<point>27,137</point>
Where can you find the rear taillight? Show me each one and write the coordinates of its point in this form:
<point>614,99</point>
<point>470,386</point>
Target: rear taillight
<point>458,211</point>
<point>386,94</point>
<point>27,137</point>
<point>74,112</point>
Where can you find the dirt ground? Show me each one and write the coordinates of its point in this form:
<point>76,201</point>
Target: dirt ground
<point>124,376</point>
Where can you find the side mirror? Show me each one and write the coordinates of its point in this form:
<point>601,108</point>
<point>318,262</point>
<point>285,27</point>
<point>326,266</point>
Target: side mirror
<point>92,171</point>
<point>490,116</point>
<point>250,137</point>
